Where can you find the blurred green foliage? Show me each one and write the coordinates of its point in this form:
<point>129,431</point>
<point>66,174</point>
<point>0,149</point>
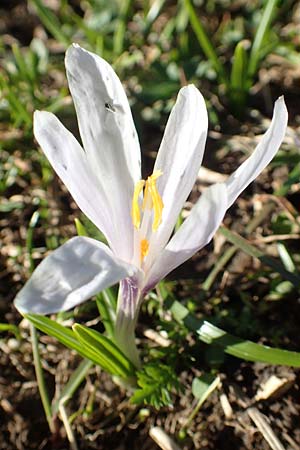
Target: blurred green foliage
<point>156,46</point>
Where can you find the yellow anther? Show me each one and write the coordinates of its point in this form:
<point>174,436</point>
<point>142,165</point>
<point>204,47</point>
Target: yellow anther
<point>157,207</point>
<point>135,210</point>
<point>144,248</point>
<point>152,199</point>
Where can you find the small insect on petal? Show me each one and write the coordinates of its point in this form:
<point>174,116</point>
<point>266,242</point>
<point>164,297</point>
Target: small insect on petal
<point>110,107</point>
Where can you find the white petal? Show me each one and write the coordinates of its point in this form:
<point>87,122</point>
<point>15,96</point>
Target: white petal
<point>108,133</point>
<point>73,273</point>
<point>195,232</point>
<point>262,155</point>
<point>70,163</point>
<point>180,156</point>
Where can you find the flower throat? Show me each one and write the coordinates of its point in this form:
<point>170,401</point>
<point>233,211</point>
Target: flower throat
<point>151,202</point>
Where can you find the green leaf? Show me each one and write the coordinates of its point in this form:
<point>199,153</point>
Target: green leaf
<point>248,248</point>
<point>203,386</point>
<point>74,382</point>
<point>293,175</point>
<point>12,328</point>
<point>106,304</point>
<point>108,355</point>
<point>80,228</point>
<point>263,28</point>
<point>204,41</point>
<point>50,21</point>
<point>285,257</point>
<point>238,83</point>
<point>52,328</point>
<point>153,13</point>
<point>29,238</point>
<point>70,340</point>
<point>121,26</point>
<point>244,349</point>
<point>237,77</point>
<point>155,383</point>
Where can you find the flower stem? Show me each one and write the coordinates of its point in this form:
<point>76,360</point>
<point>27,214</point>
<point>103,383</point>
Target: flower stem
<point>68,428</point>
<point>40,378</point>
<point>125,340</point>
<point>129,300</point>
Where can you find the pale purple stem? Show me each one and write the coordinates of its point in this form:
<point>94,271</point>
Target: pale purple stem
<point>129,300</point>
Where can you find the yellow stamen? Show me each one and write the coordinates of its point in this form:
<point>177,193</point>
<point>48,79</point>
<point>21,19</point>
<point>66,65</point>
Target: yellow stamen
<point>135,210</point>
<point>152,199</point>
<point>144,248</point>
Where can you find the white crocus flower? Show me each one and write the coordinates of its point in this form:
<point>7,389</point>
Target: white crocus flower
<point>137,217</point>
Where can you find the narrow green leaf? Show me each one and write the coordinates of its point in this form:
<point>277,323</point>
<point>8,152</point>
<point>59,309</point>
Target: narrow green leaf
<point>106,304</point>
<point>29,238</point>
<point>54,329</point>
<point>74,382</point>
<point>237,77</point>
<point>12,328</point>
<point>39,373</point>
<point>67,337</point>
<point>50,21</point>
<point>220,264</point>
<point>248,248</point>
<point>204,385</point>
<point>80,228</point>
<point>244,349</point>
<point>119,35</point>
<point>293,175</point>
<point>238,83</point>
<point>153,13</point>
<point>18,110</point>
<point>264,26</point>
<point>21,63</point>
<point>105,350</point>
<point>204,41</point>
<point>285,257</point>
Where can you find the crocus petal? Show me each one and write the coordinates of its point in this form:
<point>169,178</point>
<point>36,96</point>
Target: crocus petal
<point>70,163</point>
<point>108,135</point>
<point>73,273</point>
<point>195,232</point>
<point>262,155</point>
<point>179,157</point>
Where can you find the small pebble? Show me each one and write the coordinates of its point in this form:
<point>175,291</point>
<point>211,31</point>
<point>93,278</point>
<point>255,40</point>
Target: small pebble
<point>13,344</point>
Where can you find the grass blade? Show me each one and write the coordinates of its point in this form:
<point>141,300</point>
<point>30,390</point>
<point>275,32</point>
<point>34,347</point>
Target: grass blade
<point>74,382</point>
<point>153,13</point>
<point>11,328</point>
<point>264,25</point>
<point>50,21</point>
<point>238,83</point>
<point>106,305</point>
<point>248,248</point>
<point>119,35</point>
<point>40,378</point>
<point>235,346</point>
<point>204,41</point>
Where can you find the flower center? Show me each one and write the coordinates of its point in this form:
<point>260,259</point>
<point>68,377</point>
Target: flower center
<point>151,202</point>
